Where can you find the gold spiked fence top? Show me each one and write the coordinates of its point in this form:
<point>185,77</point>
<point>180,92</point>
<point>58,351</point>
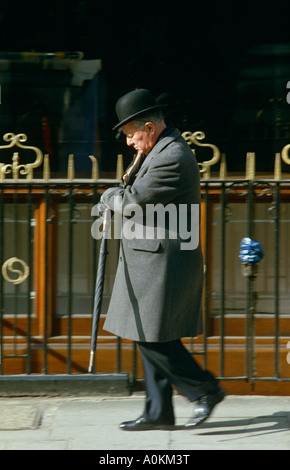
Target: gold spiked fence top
<point>15,169</point>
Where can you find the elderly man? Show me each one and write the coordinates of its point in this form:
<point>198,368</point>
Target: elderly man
<point>157,294</point>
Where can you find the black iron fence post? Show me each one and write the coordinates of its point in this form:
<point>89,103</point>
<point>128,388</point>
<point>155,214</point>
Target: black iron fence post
<point>277,265</point>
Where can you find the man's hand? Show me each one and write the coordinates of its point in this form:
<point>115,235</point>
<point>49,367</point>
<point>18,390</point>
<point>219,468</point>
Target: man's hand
<point>101,208</point>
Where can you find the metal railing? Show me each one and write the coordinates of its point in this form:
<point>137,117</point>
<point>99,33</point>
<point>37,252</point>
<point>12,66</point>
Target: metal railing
<point>44,225</point>
<point>260,204</point>
<point>38,235</point>
<point>48,261</point>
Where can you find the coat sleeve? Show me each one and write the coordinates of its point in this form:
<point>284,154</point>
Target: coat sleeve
<point>169,174</point>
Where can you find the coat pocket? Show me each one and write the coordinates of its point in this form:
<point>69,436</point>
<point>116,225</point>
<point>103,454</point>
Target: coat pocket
<point>144,245</point>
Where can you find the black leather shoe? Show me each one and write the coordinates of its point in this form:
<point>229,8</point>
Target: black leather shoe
<point>204,408</point>
<point>143,424</point>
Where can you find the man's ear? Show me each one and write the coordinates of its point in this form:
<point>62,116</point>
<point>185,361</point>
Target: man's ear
<point>150,127</point>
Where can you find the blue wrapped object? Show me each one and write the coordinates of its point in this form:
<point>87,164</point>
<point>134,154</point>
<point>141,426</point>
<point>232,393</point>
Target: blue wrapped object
<point>250,251</point>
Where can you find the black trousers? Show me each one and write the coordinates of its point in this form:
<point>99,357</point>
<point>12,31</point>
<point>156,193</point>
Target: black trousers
<point>170,364</point>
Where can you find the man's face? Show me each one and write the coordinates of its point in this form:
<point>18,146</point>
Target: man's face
<point>142,140</point>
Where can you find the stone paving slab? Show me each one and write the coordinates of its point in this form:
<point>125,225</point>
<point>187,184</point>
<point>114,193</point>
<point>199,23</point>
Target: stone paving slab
<point>87,423</point>
<point>18,417</point>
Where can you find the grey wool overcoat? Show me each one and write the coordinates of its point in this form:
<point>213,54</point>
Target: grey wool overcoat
<point>157,294</point>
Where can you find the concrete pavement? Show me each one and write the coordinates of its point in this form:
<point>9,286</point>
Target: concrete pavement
<point>91,423</point>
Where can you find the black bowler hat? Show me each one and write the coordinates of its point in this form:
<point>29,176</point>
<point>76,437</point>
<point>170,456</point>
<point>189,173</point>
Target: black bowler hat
<point>134,104</point>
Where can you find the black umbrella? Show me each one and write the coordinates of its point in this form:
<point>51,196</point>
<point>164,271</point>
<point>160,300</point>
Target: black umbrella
<point>99,287</point>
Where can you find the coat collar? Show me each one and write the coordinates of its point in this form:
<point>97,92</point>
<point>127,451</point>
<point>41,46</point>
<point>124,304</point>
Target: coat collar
<point>168,135</point>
